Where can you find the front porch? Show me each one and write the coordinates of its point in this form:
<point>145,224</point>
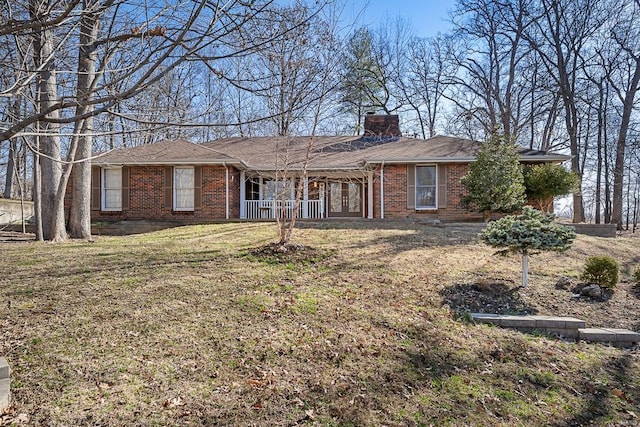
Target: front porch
<point>270,209</point>
<point>330,195</point>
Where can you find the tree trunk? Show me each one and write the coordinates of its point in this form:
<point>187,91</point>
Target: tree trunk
<point>53,224</point>
<point>598,200</point>
<point>37,192</point>
<point>525,269</point>
<point>80,214</point>
<point>618,169</point>
<point>8,181</point>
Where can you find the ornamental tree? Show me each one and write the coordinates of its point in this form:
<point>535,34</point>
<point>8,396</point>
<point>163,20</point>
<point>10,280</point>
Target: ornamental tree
<point>544,182</point>
<point>527,234</point>
<point>495,182</point>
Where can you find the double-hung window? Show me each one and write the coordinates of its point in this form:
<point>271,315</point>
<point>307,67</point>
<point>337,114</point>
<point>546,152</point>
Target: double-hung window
<point>112,189</point>
<point>183,188</point>
<point>426,185</point>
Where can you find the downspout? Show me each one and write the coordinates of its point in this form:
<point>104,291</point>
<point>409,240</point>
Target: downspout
<point>370,195</point>
<point>382,190</point>
<point>226,183</point>
<point>243,196</point>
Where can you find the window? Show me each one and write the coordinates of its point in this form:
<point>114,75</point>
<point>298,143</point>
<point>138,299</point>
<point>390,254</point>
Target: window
<point>112,189</point>
<point>426,187</point>
<point>271,191</point>
<point>183,188</point>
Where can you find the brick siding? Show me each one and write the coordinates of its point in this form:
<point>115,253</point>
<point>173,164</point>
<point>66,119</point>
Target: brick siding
<point>147,197</point>
<point>395,195</point>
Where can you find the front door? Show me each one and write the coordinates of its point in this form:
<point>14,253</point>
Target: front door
<point>345,199</point>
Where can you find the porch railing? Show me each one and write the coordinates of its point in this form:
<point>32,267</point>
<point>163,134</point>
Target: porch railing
<point>268,209</point>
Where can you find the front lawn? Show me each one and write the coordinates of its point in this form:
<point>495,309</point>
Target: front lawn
<point>193,326</point>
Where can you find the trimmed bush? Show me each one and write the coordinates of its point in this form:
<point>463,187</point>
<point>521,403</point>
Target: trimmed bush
<point>602,270</point>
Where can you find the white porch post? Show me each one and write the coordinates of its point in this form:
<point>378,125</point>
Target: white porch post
<point>370,194</point>
<point>243,196</point>
<point>305,198</point>
<point>382,191</point>
<point>226,181</point>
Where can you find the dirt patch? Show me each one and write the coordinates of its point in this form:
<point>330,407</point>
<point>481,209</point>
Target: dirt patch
<point>275,253</point>
<point>497,296</point>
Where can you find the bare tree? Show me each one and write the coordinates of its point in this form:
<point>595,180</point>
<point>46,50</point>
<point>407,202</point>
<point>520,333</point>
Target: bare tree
<point>624,78</point>
<point>429,70</point>
<point>122,50</point>
<point>560,36</point>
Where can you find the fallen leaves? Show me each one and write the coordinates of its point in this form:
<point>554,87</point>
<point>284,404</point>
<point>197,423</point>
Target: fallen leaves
<point>173,402</point>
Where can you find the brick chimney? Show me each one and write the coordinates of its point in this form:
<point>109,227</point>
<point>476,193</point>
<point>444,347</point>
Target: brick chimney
<point>381,125</point>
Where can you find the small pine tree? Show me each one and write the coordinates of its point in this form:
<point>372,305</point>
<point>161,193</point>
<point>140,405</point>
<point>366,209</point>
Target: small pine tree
<point>544,182</point>
<point>495,182</point>
<point>529,233</point>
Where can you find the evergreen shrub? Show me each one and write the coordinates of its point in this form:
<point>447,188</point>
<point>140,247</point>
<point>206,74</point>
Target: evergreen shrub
<point>601,270</point>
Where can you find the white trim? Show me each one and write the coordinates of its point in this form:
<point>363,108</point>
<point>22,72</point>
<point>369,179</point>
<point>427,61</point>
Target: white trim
<point>226,198</point>
<point>305,197</point>
<point>382,190</point>
<point>415,188</point>
<point>243,195</point>
<point>370,195</point>
<point>466,159</point>
<point>181,162</point>
<point>175,189</point>
<point>103,189</point>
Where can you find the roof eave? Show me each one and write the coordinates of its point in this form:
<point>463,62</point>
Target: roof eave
<point>309,169</point>
<point>421,160</point>
<point>544,158</point>
<point>169,162</point>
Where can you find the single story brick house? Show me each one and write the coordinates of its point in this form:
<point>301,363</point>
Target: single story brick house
<point>379,175</point>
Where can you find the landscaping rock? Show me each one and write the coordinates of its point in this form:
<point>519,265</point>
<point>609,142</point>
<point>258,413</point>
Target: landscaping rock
<point>592,291</point>
<point>563,283</point>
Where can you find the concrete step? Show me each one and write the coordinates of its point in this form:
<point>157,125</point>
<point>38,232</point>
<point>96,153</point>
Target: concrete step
<point>4,394</point>
<point>4,368</point>
<point>623,337</point>
<point>4,384</point>
<point>533,322</point>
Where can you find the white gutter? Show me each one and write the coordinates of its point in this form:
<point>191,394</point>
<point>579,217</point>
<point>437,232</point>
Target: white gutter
<point>370,195</point>
<point>168,162</point>
<point>547,158</point>
<point>382,190</point>
<point>226,182</point>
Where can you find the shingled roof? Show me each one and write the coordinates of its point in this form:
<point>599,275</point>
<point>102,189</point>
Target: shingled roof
<point>326,152</point>
<point>164,152</point>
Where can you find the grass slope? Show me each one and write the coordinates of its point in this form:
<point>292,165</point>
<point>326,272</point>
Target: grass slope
<point>187,327</point>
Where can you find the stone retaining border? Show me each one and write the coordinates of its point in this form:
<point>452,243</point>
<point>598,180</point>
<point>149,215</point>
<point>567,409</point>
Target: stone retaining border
<point>567,327</point>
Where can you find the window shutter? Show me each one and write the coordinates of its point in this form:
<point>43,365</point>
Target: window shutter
<point>411,187</point>
<point>197,187</point>
<point>126,172</point>
<point>96,188</point>
<point>168,187</point>
<point>442,186</point>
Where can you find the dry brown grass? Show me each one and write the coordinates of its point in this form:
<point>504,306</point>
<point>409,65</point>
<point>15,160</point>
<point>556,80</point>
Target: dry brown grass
<point>188,326</point>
